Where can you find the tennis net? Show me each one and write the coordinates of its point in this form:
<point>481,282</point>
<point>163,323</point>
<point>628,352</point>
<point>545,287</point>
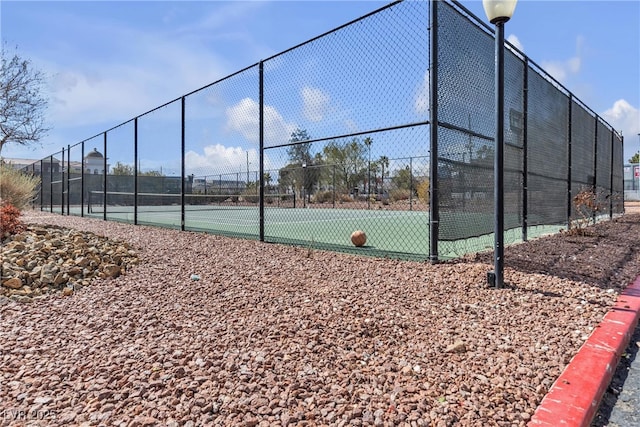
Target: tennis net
<point>157,202</point>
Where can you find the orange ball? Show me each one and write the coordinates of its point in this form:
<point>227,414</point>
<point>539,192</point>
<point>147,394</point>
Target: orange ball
<point>358,238</point>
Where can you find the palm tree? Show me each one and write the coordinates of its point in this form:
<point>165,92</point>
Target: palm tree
<point>383,161</point>
<point>267,179</point>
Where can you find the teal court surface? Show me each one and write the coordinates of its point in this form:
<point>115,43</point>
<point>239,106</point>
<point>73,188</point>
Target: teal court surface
<point>390,233</point>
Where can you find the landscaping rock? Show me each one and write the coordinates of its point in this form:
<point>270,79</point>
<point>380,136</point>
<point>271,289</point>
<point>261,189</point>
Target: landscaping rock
<point>42,260</point>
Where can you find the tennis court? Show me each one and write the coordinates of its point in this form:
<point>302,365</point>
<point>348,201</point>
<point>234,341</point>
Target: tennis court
<point>388,231</point>
<point>395,233</point>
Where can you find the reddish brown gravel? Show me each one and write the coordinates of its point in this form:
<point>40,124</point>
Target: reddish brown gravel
<point>278,335</point>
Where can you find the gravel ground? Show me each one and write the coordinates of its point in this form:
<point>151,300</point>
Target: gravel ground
<point>279,335</point>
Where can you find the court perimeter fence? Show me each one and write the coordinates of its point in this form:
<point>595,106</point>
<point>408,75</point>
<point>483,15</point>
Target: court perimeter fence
<point>384,124</point>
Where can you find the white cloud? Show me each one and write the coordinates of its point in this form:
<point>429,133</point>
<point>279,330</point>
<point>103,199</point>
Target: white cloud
<point>314,103</point>
<point>132,72</point>
<point>218,159</point>
<point>244,117</point>
<point>351,125</point>
<point>513,39</point>
<point>78,98</point>
<point>561,70</point>
<point>421,101</point>
<point>625,118</point>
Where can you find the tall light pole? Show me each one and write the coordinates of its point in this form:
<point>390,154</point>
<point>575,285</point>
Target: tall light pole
<point>499,12</point>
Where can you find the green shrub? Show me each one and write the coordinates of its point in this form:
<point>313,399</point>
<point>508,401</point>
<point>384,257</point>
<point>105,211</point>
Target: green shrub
<point>16,188</point>
<point>344,198</point>
<point>399,194</point>
<point>250,198</point>
<point>323,197</point>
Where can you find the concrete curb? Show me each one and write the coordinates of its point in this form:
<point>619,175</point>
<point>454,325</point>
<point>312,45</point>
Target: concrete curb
<point>574,398</point>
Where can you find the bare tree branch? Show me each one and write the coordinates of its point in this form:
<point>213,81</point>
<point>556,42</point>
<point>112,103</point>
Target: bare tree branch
<point>22,104</point>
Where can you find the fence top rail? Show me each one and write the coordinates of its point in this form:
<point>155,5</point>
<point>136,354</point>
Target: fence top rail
<point>311,40</point>
<point>347,135</point>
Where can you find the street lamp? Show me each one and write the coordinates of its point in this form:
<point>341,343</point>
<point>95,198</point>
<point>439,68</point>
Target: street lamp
<point>499,12</point>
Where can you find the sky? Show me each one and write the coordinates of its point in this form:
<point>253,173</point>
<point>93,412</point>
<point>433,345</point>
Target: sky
<point>107,62</point>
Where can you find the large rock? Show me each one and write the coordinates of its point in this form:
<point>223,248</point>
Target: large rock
<point>12,283</point>
<point>111,270</point>
<point>48,273</point>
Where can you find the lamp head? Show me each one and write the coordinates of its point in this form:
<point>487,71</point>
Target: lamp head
<point>499,11</point>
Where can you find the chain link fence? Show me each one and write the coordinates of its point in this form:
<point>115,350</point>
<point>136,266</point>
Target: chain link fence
<point>336,134</point>
<point>555,146</point>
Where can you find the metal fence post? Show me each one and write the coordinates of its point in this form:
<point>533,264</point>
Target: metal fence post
<point>104,179</point>
<point>68,176</point>
<point>135,171</point>
<point>62,183</point>
<point>434,215</point>
<point>333,185</point>
<point>611,180</point>
<point>410,183</point>
<point>51,183</point>
<point>525,157</point>
<point>82,186</point>
<point>261,149</point>
<point>182,166</point>
<point>569,177</point>
<point>41,185</point>
<point>595,164</point>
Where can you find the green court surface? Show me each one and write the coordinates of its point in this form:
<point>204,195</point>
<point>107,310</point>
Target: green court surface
<point>394,234</point>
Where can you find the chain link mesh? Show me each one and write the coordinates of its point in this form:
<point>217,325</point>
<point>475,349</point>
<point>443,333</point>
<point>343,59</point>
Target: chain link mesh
<point>222,134</point>
<point>617,192</point>
<point>333,136</point>
<point>75,180</point>
<point>547,130</point>
<point>370,75</point>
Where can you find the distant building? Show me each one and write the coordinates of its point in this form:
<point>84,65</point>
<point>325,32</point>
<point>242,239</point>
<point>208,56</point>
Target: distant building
<point>94,163</point>
<point>37,166</point>
<point>632,181</point>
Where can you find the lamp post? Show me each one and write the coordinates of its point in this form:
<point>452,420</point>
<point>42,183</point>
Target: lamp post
<point>499,12</point>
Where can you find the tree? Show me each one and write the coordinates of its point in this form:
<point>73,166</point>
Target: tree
<point>21,103</point>
<point>350,160</point>
<point>300,173</point>
<point>367,142</point>
<point>299,153</point>
<point>635,158</point>
<point>383,161</point>
<point>122,169</point>
<point>267,181</point>
<point>484,154</point>
<point>403,179</point>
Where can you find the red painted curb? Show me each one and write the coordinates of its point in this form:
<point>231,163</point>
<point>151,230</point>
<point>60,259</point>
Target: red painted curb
<point>575,396</point>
